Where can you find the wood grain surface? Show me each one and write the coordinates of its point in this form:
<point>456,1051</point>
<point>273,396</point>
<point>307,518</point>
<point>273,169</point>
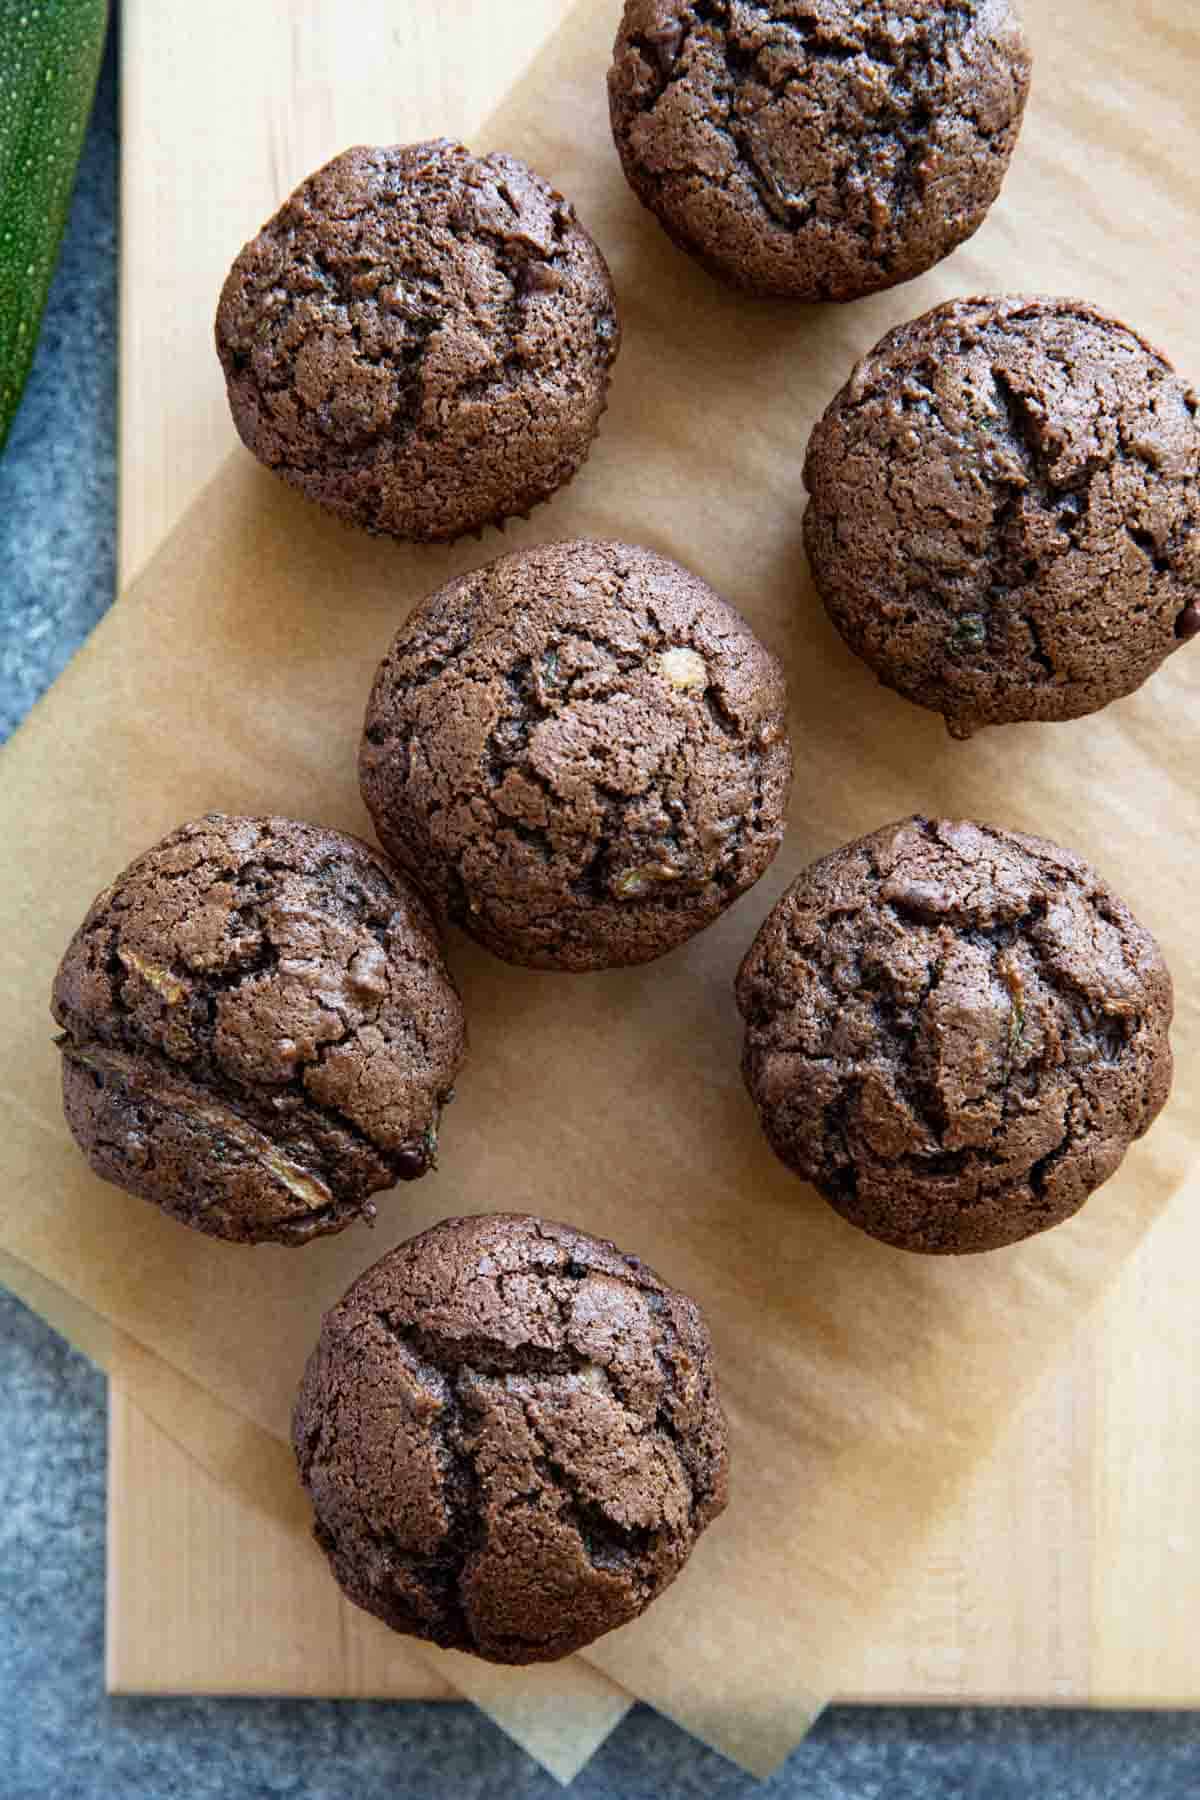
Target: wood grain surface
<point>1071,1570</point>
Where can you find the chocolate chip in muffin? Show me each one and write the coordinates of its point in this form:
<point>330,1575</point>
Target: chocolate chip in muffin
<point>511,1437</point>
<point>954,1032</point>
<point>818,151</point>
<point>420,339</point>
<point>580,751</point>
<point>1004,513</point>
<point>259,1031</point>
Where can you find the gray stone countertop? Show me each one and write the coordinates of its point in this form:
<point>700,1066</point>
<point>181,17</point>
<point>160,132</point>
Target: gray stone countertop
<point>61,1737</point>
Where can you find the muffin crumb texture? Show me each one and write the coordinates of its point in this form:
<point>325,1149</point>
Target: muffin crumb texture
<point>954,1032</point>
<point>258,1029</point>
<point>818,151</point>
<point>1004,519</point>
<point>420,339</point>
<point>581,752</point>
<point>511,1437</point>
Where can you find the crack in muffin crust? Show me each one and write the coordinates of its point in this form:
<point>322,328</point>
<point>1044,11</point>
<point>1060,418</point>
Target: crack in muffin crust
<point>511,1437</point>
<point>954,1032</point>
<point>259,1031</point>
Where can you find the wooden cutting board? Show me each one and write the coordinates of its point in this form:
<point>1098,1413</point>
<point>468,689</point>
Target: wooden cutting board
<point>1071,1569</point>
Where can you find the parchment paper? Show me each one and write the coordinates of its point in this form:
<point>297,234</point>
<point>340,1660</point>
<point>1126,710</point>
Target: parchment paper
<point>860,1383</point>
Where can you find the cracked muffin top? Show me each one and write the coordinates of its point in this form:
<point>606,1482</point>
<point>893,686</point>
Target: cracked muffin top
<point>1004,513</point>
<point>580,751</point>
<point>818,149</point>
<point>259,1031</point>
<point>511,1437</point>
<point>420,339</point>
<point>954,1032</point>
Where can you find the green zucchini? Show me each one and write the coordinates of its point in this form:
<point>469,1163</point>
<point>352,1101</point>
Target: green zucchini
<point>50,54</point>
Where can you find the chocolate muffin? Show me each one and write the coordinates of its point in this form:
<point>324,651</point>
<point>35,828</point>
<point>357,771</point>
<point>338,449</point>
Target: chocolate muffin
<point>954,1033</point>
<point>420,339</point>
<point>818,149</point>
<point>581,752</point>
<point>1004,519</point>
<point>511,1437</point>
<point>259,1031</point>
